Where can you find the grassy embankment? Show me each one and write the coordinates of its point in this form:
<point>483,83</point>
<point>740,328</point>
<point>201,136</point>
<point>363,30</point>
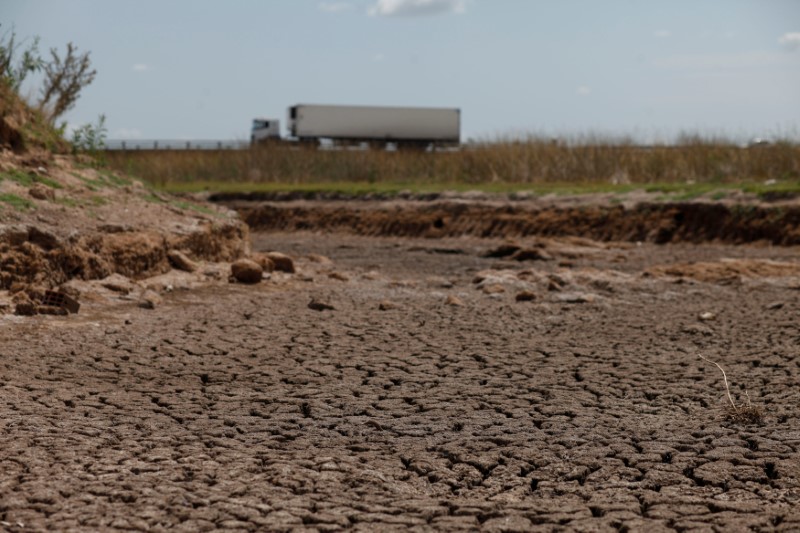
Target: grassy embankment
<point>686,170</point>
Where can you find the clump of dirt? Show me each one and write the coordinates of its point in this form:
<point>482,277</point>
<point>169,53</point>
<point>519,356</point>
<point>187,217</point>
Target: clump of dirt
<point>727,269</point>
<point>659,223</point>
<point>61,218</point>
<point>23,129</point>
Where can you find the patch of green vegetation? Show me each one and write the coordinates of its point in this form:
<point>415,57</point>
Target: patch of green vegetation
<point>91,184</point>
<point>113,179</point>
<point>188,206</point>
<point>23,178</point>
<point>152,198</point>
<point>29,178</point>
<point>718,195</point>
<point>99,200</point>
<point>20,204</point>
<point>69,202</point>
<point>670,192</point>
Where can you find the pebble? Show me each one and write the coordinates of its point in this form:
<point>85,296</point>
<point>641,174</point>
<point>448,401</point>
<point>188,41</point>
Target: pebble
<point>247,271</point>
<point>387,305</point>
<point>181,261</point>
<point>282,262</point>
<point>454,301</point>
<point>150,300</point>
<point>317,305</point>
<point>525,296</point>
<point>494,288</point>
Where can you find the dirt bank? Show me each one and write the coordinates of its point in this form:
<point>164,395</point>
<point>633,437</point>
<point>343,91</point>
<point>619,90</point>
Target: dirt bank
<point>62,219</point>
<point>661,223</point>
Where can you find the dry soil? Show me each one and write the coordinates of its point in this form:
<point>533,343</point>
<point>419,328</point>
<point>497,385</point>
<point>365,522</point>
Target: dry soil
<point>457,384</point>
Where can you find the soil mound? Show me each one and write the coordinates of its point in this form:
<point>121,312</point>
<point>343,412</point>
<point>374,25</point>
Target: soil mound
<point>63,219</point>
<point>648,222</point>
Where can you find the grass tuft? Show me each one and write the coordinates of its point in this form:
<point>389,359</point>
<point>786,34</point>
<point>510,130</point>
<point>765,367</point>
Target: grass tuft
<point>745,413</point>
<point>20,204</point>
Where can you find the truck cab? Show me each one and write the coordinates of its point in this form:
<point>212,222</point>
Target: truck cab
<point>265,129</point>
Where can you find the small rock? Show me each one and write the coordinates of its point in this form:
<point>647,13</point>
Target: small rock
<point>51,310</point>
<point>150,300</point>
<point>283,262</point>
<point>180,261</point>
<point>697,329</point>
<point>42,192</point>
<point>576,298</point>
<point>553,286</point>
<point>317,258</point>
<point>439,282</point>
<point>454,301</point>
<point>25,308</point>
<point>387,305</point>
<point>266,263</point>
<point>247,271</point>
<point>705,317</point>
<point>774,306</point>
<point>494,288</point>
<point>531,254</point>
<point>117,283</point>
<point>504,250</point>
<point>525,296</point>
<point>338,276</point>
<point>317,305</point>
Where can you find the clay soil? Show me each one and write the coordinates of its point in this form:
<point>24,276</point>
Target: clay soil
<point>458,383</point>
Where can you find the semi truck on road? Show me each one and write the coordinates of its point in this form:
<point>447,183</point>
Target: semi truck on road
<point>404,127</point>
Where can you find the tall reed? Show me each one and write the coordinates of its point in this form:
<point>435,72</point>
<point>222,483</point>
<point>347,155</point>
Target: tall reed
<point>532,161</point>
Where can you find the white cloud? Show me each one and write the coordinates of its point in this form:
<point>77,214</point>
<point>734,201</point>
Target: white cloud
<point>791,40</point>
<point>583,90</point>
<point>140,67</point>
<point>127,133</point>
<point>662,34</point>
<point>335,7</point>
<point>416,8</point>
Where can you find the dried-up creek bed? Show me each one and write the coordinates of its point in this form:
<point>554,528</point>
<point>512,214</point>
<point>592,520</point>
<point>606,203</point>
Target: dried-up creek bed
<point>430,398</point>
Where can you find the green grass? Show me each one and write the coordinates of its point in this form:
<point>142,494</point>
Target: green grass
<point>68,202</point>
<point>669,191</point>
<point>20,204</point>
<point>105,179</point>
<point>189,206</point>
<point>29,178</point>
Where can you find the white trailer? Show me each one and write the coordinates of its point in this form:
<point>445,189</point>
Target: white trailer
<point>402,126</point>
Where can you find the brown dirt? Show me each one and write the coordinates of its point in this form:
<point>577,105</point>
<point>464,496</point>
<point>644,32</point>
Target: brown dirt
<point>640,221</point>
<point>61,219</point>
<point>584,408</point>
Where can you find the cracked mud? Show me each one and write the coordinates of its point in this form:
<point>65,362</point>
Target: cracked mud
<point>429,398</point>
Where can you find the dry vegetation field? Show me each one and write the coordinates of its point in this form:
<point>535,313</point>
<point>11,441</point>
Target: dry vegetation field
<point>502,165</point>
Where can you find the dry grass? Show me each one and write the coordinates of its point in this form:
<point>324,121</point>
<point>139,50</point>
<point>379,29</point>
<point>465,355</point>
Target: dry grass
<point>513,163</point>
<point>744,413</point>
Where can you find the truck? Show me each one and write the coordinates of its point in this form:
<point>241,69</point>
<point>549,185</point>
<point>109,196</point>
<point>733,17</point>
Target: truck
<point>404,127</point>
<point>265,129</point>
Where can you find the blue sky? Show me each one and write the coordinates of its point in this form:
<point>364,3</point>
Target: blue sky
<point>203,69</point>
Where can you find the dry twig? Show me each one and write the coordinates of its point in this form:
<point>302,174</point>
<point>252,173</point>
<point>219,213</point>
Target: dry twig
<point>745,413</point>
